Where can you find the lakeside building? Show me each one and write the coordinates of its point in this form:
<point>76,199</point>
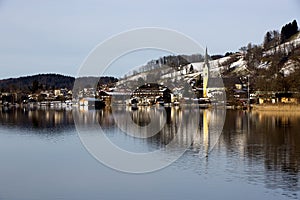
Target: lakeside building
<point>152,93</point>
<point>273,97</point>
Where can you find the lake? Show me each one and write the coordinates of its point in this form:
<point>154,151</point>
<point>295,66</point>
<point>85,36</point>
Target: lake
<point>255,156</point>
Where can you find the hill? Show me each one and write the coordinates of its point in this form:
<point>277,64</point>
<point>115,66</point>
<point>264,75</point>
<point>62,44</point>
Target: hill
<point>49,81</point>
<point>273,65</point>
<point>40,81</point>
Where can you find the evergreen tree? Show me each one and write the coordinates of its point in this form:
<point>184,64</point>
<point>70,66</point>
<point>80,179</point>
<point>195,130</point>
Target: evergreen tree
<point>294,27</point>
<point>267,40</point>
<point>288,30</point>
<point>192,69</point>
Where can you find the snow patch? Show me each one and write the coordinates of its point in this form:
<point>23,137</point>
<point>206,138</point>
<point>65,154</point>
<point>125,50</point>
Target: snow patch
<point>288,68</point>
<point>238,64</point>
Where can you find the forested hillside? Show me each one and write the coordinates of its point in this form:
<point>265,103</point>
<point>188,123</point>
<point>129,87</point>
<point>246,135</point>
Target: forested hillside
<point>49,81</point>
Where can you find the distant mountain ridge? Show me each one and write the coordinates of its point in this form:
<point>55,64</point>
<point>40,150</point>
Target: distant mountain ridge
<point>49,81</point>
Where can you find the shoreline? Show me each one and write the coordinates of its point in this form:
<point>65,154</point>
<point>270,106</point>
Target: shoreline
<point>277,107</point>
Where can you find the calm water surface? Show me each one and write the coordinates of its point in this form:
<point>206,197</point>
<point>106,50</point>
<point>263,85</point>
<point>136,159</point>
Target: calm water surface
<point>257,157</point>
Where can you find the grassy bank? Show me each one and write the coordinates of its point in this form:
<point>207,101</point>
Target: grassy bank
<point>277,107</point>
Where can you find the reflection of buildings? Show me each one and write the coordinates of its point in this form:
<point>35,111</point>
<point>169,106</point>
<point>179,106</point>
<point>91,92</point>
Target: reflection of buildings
<point>282,149</point>
<point>178,127</point>
<point>269,144</point>
<point>37,118</point>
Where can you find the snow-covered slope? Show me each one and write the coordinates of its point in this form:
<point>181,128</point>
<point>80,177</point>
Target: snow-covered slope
<point>294,43</point>
<point>234,64</point>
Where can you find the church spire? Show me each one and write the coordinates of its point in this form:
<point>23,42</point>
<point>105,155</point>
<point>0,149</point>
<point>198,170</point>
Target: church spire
<point>205,74</point>
<point>206,58</point>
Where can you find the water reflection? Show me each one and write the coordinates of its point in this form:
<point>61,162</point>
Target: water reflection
<point>118,121</point>
<point>39,119</point>
<point>270,142</point>
<point>255,147</point>
<point>184,127</point>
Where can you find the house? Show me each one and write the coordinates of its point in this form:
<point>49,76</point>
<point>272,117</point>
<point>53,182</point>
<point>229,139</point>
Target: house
<point>151,93</point>
<point>277,97</point>
<point>57,92</point>
<point>286,97</point>
<point>7,98</point>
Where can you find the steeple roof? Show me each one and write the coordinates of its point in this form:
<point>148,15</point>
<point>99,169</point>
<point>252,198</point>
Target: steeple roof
<point>206,58</point>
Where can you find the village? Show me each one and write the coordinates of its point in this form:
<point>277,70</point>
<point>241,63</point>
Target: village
<point>200,87</point>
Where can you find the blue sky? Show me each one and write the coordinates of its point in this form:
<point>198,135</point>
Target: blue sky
<point>56,36</point>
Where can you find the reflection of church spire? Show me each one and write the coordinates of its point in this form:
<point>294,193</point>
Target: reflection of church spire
<point>205,132</point>
<point>205,74</point>
<point>202,140</point>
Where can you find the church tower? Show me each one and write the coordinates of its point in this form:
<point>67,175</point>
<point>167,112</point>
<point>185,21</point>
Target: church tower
<point>205,74</point>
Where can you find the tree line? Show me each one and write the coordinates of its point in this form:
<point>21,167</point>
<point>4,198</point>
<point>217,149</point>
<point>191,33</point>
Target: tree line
<point>274,38</point>
<point>173,61</point>
<point>35,83</point>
